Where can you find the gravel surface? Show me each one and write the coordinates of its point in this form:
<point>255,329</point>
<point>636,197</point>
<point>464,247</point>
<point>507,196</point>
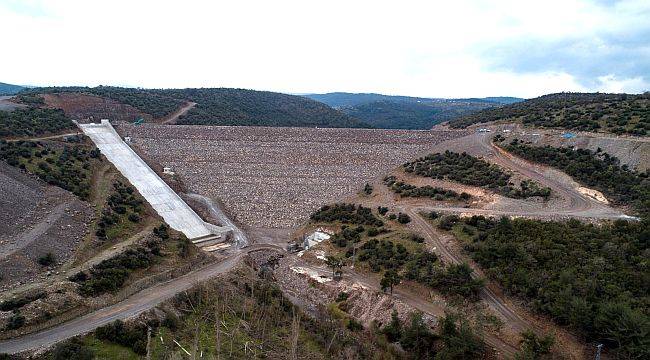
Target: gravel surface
<point>36,219</point>
<point>275,177</point>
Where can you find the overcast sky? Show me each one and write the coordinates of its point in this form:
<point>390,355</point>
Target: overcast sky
<point>421,48</point>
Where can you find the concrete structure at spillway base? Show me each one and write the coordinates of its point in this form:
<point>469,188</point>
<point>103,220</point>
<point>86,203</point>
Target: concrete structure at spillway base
<point>176,213</point>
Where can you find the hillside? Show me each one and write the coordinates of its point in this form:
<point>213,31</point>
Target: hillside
<point>223,106</point>
<point>613,113</point>
<point>405,112</point>
<point>343,99</point>
<point>408,115</point>
<point>217,106</point>
<point>9,89</point>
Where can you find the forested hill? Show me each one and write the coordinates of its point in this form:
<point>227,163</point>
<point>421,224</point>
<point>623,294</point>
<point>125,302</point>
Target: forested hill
<point>9,89</point>
<point>343,99</point>
<point>225,106</point>
<point>404,112</point>
<point>613,113</point>
<point>222,106</point>
<point>407,115</point>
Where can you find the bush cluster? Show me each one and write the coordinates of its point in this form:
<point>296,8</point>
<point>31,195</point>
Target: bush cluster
<point>109,275</point>
<point>595,169</point>
<point>133,337</point>
<point>590,277</point>
<point>33,121</point>
<point>615,113</point>
<point>18,302</point>
<point>346,213</point>
<point>455,339</point>
<point>469,170</point>
<point>437,193</point>
<point>122,205</point>
<point>68,167</point>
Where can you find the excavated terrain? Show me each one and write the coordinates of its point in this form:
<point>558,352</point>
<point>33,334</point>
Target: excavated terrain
<point>36,219</point>
<point>276,177</point>
<point>90,108</point>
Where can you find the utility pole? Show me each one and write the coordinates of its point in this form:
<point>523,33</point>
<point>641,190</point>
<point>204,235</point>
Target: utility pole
<point>148,342</point>
<point>600,348</point>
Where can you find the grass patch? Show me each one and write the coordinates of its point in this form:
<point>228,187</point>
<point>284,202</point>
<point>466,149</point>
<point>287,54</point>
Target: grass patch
<point>108,350</point>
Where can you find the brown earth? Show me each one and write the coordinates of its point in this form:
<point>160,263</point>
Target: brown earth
<point>90,108</point>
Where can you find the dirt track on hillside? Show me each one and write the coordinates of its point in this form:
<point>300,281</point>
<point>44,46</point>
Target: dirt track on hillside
<point>173,117</point>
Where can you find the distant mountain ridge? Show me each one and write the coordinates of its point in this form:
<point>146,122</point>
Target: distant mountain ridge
<point>10,89</point>
<point>406,112</point>
<point>344,99</point>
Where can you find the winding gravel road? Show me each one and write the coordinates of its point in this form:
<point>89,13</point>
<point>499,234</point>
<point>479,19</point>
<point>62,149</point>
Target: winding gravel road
<point>134,305</point>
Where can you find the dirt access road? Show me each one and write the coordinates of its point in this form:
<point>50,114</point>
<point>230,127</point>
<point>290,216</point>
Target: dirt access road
<point>130,307</point>
<point>173,117</point>
<point>405,295</point>
<point>566,200</point>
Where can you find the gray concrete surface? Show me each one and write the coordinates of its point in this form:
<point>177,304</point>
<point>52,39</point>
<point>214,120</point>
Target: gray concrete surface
<point>162,198</point>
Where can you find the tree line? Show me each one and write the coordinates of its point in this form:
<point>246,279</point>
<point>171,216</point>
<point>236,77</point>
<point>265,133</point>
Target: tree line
<point>592,278</point>
<point>595,169</point>
<point>469,170</point>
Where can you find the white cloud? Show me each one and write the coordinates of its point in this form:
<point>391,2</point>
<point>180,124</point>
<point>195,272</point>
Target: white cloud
<point>419,48</point>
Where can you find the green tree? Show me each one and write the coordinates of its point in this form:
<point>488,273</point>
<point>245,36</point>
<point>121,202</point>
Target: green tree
<point>393,330</point>
<point>418,339</point>
<point>335,262</point>
<point>534,347</point>
<point>390,279</point>
<point>459,339</point>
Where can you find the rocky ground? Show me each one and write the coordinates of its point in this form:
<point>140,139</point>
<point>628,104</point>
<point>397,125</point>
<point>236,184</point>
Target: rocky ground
<point>36,219</point>
<point>275,177</point>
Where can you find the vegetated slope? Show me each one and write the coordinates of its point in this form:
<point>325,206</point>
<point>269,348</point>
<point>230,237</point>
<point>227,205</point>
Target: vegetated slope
<point>404,112</point>
<point>409,115</point>
<point>222,106</point>
<point>343,99</point>
<point>33,122</point>
<point>9,89</point>
<point>590,277</point>
<point>243,107</point>
<point>614,113</point>
<point>239,316</point>
<point>504,100</point>
<point>469,170</point>
<point>597,170</point>
<point>155,104</point>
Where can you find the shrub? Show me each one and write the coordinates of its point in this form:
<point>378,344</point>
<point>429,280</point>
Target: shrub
<point>372,231</point>
<point>448,222</point>
<point>354,325</point>
<point>403,218</point>
<point>47,259</point>
<point>134,337</point>
<point>16,321</point>
<point>73,349</point>
<point>346,213</point>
